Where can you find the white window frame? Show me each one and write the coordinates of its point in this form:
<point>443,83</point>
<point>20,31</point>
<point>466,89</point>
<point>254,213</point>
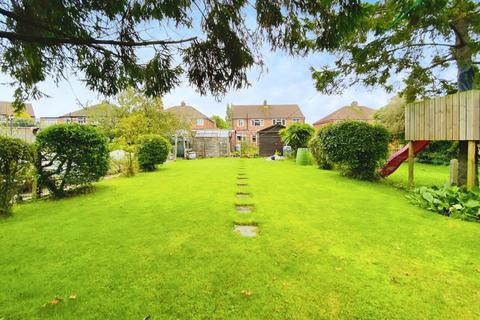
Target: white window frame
<point>82,120</point>
<point>240,123</point>
<point>240,137</point>
<point>279,121</point>
<point>200,122</point>
<point>254,138</point>
<point>254,121</point>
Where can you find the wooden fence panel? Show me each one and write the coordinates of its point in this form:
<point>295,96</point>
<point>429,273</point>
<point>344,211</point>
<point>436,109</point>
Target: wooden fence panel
<point>452,117</point>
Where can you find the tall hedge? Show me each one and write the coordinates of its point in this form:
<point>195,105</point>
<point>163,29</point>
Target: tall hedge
<point>15,160</point>
<point>70,156</point>
<point>153,150</point>
<point>356,148</point>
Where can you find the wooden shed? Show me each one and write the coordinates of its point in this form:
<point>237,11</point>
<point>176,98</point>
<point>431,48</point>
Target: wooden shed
<point>269,140</point>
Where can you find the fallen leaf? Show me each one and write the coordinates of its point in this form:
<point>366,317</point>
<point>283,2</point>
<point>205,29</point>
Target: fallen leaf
<point>54,301</point>
<point>246,293</point>
<point>146,317</point>
<point>73,296</point>
<point>478,269</point>
<point>338,269</point>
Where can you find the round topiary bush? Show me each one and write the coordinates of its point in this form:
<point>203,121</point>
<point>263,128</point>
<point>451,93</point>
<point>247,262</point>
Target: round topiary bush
<point>70,156</point>
<point>153,150</point>
<point>357,148</point>
<point>15,160</point>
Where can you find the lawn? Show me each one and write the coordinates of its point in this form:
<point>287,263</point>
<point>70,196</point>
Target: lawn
<point>161,245</point>
<point>424,175</point>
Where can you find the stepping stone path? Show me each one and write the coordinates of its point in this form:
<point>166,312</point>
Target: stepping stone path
<point>244,208</point>
<point>243,195</point>
<point>246,231</point>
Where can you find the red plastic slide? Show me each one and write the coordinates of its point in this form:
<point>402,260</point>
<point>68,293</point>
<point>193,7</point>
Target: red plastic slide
<point>401,155</point>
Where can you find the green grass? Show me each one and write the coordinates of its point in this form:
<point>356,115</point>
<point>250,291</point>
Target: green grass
<point>424,175</point>
<point>161,244</point>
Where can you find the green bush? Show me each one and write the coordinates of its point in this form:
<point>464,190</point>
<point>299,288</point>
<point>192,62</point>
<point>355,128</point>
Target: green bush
<point>439,152</point>
<point>70,156</point>
<point>451,201</point>
<point>319,155</point>
<point>297,135</point>
<point>153,150</point>
<point>356,148</point>
<point>15,161</point>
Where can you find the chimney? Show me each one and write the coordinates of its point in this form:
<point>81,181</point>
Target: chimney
<point>183,104</point>
<point>265,106</point>
<point>354,104</point>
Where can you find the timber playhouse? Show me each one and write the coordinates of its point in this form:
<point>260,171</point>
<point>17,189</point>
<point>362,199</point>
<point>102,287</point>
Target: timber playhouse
<point>454,117</point>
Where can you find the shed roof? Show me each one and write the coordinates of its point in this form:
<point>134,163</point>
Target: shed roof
<point>185,111</point>
<point>275,127</point>
<point>213,133</point>
<point>7,109</point>
<point>265,110</point>
<point>351,112</point>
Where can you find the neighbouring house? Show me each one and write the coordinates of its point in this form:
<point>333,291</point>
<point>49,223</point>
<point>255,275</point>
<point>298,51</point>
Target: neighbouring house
<point>248,120</point>
<point>269,141</point>
<point>351,112</point>
<point>20,125</point>
<point>89,115</point>
<point>6,111</point>
<point>192,117</point>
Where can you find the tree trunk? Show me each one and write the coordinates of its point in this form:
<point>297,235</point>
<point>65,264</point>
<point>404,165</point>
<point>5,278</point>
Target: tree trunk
<point>463,57</point>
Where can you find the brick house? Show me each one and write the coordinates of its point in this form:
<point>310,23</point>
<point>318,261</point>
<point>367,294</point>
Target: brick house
<point>6,110</point>
<point>351,112</point>
<point>249,119</point>
<point>193,117</point>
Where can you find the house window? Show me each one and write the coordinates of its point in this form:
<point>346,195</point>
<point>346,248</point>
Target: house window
<point>200,122</point>
<point>68,120</point>
<point>254,138</point>
<point>82,120</point>
<point>278,121</point>
<point>257,122</point>
<point>296,120</point>
<point>240,123</point>
<point>240,138</point>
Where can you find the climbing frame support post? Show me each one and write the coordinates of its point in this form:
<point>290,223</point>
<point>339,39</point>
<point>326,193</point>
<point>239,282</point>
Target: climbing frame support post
<point>411,162</point>
<point>472,145</point>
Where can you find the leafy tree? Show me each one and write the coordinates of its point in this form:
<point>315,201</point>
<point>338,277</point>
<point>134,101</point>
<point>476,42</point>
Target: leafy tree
<point>153,150</point>
<point>220,122</point>
<point>392,116</point>
<point>70,156</point>
<point>297,135</point>
<point>101,39</point>
<point>15,160</point>
<point>229,115</point>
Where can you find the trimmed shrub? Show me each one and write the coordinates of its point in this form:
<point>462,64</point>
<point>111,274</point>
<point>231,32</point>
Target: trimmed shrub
<point>297,135</point>
<point>153,150</point>
<point>356,148</point>
<point>70,156</point>
<point>318,154</point>
<point>15,161</point>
